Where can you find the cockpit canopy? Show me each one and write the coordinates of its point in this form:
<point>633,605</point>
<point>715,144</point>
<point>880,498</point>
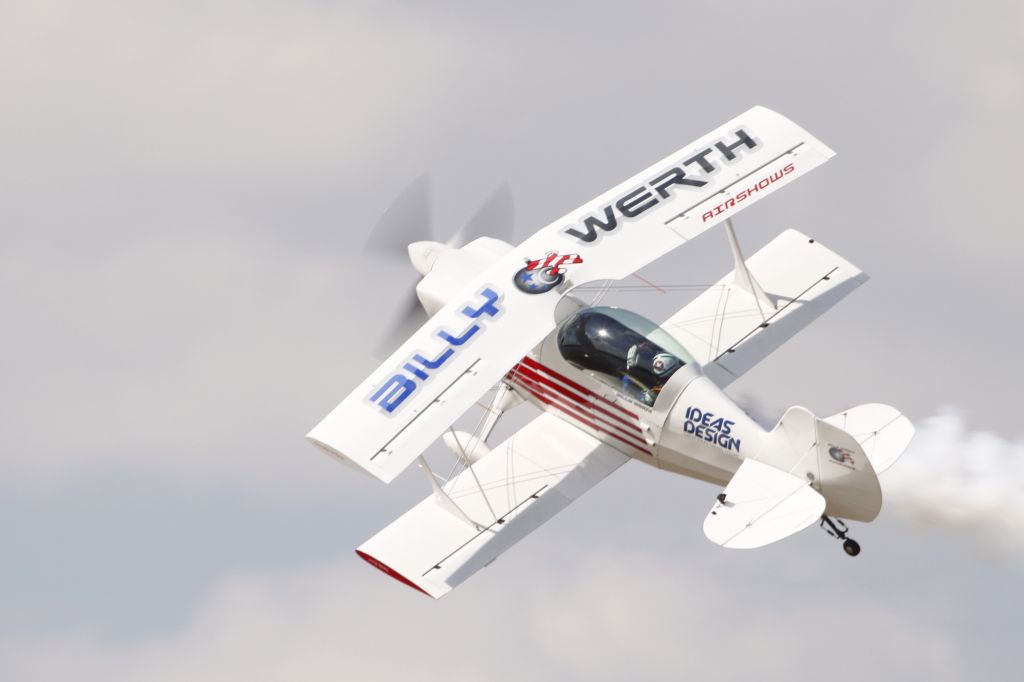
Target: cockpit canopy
<point>622,349</point>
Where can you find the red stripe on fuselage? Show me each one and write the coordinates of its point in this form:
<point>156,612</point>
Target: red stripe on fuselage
<point>602,424</point>
<point>533,364</point>
<point>551,401</point>
<point>537,378</point>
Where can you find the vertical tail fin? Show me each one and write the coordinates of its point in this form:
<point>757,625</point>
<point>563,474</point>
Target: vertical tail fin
<point>830,458</point>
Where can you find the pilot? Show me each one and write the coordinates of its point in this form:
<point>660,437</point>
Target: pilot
<point>665,363</point>
<point>649,358</point>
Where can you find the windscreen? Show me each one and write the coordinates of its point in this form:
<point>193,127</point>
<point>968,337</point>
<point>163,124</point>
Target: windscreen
<point>623,350</point>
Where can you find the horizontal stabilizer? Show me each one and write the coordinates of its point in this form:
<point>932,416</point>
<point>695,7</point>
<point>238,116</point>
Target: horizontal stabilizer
<point>762,505</point>
<point>499,500</point>
<point>881,430</point>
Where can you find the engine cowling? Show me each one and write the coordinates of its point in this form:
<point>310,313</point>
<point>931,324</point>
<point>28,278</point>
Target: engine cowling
<point>446,269</point>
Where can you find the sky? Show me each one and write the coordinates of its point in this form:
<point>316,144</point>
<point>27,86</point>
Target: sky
<point>186,191</point>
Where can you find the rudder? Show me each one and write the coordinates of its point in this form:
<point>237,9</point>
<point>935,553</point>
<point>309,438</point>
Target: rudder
<point>830,458</point>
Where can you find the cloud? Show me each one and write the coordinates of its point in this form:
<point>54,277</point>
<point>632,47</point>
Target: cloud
<point>163,310</point>
<point>966,481</point>
<point>220,91</point>
<point>599,617</point>
<point>195,357</point>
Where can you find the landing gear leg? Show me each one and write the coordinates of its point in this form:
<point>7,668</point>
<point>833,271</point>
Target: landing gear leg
<point>837,529</point>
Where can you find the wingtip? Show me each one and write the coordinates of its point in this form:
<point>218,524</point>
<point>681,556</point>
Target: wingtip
<point>387,570</point>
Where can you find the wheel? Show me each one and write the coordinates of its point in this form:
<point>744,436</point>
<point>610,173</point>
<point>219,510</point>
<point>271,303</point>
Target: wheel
<point>851,547</point>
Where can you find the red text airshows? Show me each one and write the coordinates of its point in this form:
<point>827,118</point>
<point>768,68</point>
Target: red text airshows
<point>745,194</point>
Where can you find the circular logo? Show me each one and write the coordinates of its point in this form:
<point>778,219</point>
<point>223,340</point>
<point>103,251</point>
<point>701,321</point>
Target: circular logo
<point>537,281</point>
<point>841,455</point>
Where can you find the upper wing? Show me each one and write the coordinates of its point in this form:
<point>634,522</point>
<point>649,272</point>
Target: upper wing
<point>404,405</point>
<point>726,328</point>
<point>490,506</point>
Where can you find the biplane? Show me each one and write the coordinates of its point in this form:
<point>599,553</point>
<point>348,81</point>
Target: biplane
<point>611,385</point>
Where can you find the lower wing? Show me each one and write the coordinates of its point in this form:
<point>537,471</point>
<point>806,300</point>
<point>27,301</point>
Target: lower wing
<point>487,508</point>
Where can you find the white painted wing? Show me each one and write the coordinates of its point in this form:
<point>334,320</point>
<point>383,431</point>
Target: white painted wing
<point>762,505</point>
<point>728,331</point>
<point>403,406</point>
<point>525,481</point>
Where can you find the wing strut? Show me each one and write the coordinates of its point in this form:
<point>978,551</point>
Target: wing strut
<point>442,497</point>
<point>464,458</point>
<point>504,400</point>
<point>743,277</point>
<point>468,449</point>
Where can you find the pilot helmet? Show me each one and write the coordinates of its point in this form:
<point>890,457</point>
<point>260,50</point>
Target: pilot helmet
<point>664,363</point>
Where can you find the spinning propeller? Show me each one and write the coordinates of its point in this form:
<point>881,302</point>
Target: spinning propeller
<point>405,233</point>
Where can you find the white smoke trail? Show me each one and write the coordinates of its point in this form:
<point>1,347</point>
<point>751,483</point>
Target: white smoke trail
<point>972,482</point>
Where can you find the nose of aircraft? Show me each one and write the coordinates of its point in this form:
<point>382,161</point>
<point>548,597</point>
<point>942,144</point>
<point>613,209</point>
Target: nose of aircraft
<point>424,254</point>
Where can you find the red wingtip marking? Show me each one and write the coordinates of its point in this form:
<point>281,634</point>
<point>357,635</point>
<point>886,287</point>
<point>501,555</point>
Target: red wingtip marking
<point>387,570</point>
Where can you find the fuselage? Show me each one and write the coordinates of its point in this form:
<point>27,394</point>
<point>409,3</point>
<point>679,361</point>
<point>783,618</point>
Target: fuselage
<point>687,425</point>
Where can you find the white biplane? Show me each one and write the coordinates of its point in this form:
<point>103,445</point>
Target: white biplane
<point>612,385</point>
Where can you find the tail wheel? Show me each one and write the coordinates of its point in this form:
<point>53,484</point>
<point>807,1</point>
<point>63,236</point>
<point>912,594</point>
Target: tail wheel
<point>851,547</point>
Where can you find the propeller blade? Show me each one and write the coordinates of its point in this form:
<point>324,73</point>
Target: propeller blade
<point>405,221</point>
<point>402,325</point>
<point>495,218</point>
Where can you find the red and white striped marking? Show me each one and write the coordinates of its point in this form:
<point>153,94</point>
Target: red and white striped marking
<point>579,403</point>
